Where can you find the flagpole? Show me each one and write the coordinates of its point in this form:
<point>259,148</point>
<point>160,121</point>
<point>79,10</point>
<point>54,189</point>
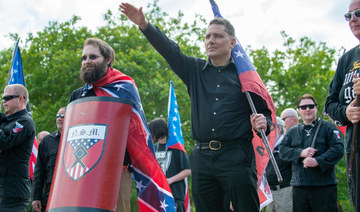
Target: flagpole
<point>266,142</point>
<point>12,63</point>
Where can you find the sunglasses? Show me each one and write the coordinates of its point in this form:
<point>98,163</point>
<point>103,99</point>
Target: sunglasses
<point>91,57</point>
<point>350,14</point>
<point>60,116</point>
<point>303,107</point>
<point>9,97</point>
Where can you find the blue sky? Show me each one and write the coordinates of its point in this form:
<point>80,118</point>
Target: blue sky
<point>257,22</point>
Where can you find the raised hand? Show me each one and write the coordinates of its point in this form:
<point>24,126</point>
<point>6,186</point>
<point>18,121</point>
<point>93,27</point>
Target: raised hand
<point>136,15</point>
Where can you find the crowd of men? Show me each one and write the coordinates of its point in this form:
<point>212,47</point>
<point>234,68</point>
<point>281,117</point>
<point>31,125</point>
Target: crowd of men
<point>222,164</point>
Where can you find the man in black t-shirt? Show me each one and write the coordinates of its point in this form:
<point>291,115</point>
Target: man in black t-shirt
<point>174,162</point>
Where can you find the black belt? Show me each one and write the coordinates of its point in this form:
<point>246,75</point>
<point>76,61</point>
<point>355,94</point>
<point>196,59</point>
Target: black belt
<point>215,145</point>
<point>278,187</point>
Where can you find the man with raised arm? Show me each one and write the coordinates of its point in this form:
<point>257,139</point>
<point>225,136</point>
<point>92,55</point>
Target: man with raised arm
<point>223,160</point>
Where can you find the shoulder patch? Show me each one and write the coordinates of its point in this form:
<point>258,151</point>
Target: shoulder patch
<point>337,133</point>
<point>17,127</point>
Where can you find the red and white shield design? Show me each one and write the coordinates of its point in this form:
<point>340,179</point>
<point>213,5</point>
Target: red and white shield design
<point>83,149</point>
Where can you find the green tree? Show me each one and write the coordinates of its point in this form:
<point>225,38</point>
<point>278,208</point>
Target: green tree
<point>306,67</point>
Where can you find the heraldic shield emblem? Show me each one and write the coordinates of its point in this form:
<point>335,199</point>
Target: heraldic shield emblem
<point>91,155</point>
<point>83,149</point>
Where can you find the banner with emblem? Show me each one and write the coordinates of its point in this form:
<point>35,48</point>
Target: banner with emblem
<point>91,155</point>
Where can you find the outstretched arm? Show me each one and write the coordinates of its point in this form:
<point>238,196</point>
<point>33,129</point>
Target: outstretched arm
<point>179,176</point>
<point>136,15</point>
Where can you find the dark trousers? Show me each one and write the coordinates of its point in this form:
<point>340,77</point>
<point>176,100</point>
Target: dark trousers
<point>353,181</point>
<point>229,171</point>
<point>315,198</point>
<point>13,204</point>
<point>180,206</point>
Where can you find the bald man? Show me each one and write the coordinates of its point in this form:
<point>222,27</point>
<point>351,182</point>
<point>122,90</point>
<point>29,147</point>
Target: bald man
<point>41,135</point>
<point>290,117</point>
<point>17,133</point>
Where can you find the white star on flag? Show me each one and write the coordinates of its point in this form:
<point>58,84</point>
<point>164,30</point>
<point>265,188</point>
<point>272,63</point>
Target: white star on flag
<point>139,185</point>
<point>176,111</point>
<point>174,118</point>
<point>163,205</point>
<point>118,86</point>
<point>239,54</point>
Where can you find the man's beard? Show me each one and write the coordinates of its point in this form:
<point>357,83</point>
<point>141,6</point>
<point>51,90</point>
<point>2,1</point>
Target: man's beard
<point>97,72</point>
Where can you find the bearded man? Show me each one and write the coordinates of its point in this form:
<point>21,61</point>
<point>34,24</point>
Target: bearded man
<point>102,80</point>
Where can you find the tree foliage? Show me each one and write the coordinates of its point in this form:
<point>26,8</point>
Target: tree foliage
<point>51,63</point>
<point>298,69</point>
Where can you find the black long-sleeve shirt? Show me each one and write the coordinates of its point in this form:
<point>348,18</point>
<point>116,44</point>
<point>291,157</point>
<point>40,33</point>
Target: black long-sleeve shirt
<point>17,134</point>
<point>341,93</point>
<point>219,109</point>
<point>44,168</point>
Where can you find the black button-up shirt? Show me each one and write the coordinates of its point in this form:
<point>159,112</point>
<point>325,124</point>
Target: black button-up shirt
<point>219,109</point>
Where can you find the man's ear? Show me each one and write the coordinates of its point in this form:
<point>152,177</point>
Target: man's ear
<point>233,42</point>
<point>108,61</point>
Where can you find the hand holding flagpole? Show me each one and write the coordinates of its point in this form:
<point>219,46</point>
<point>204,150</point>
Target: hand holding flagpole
<point>265,140</point>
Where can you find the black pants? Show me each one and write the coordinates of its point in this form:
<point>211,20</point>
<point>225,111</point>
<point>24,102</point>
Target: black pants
<point>315,198</point>
<point>13,204</point>
<point>353,181</point>
<point>229,171</point>
<point>180,206</point>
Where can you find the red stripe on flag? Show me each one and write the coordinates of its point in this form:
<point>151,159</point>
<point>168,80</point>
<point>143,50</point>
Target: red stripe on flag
<point>33,157</point>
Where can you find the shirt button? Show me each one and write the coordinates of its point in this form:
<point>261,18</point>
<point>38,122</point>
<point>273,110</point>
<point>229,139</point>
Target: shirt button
<point>217,99</point>
<point>219,70</point>
<point>213,130</point>
<point>218,86</point>
<point>214,113</point>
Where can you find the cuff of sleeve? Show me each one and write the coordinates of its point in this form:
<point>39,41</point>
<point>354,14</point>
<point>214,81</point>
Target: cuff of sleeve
<point>148,32</point>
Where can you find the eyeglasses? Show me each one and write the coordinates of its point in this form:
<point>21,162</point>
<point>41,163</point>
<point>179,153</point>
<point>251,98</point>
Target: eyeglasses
<point>286,117</point>
<point>9,97</point>
<point>350,14</point>
<point>303,107</point>
<point>91,57</point>
<point>60,116</point>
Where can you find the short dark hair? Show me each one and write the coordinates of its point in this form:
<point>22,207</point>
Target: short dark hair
<point>306,96</point>
<point>159,129</point>
<point>228,26</point>
<point>105,49</point>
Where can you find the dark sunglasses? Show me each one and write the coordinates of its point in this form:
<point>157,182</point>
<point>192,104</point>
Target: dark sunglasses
<point>91,57</point>
<point>349,15</point>
<point>60,116</point>
<point>303,107</point>
<point>9,97</point>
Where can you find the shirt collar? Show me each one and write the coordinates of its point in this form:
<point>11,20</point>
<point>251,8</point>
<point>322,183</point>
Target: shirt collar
<point>16,115</point>
<point>311,125</point>
<point>208,63</point>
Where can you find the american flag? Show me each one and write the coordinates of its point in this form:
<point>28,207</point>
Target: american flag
<point>153,190</point>
<point>175,139</point>
<point>251,82</point>
<point>17,77</point>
